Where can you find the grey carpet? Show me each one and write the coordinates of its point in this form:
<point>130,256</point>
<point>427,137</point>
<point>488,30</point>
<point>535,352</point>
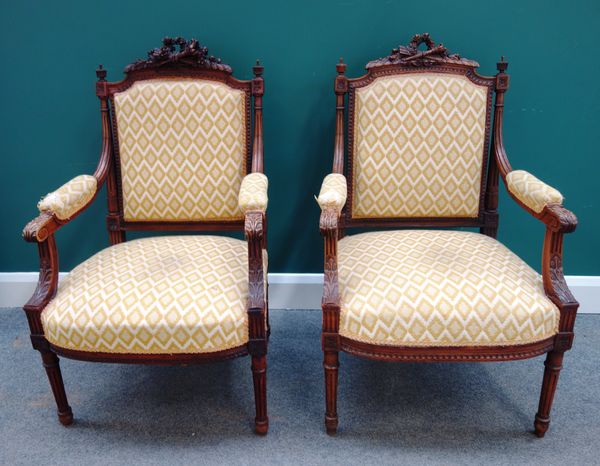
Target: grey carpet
<point>389,413</point>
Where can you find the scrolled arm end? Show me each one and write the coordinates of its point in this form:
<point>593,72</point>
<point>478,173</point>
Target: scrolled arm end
<point>558,219</point>
<point>40,228</point>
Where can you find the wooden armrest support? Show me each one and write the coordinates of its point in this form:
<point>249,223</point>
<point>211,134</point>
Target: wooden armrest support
<point>555,285</point>
<point>558,221</point>
<point>254,232</point>
<point>328,225</point>
<point>46,286</point>
<point>41,231</point>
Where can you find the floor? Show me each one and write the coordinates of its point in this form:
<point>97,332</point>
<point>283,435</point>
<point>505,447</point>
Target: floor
<point>470,413</point>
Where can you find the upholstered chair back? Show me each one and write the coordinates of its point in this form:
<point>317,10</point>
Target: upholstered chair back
<point>181,149</point>
<point>419,145</point>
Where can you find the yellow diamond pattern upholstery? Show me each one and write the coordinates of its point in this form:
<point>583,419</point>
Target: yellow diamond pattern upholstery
<point>439,288</point>
<point>418,146</point>
<point>175,294</point>
<point>70,197</point>
<point>531,191</point>
<point>253,192</point>
<point>333,191</point>
<point>182,148</point>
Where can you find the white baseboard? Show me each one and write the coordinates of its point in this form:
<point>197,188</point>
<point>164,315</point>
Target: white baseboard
<point>586,289</point>
<point>287,290</point>
<point>295,290</point>
<point>17,287</point>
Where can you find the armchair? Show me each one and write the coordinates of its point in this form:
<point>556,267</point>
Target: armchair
<point>177,154</point>
<point>419,135</point>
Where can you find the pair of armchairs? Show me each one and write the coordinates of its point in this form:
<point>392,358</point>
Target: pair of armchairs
<point>183,150</point>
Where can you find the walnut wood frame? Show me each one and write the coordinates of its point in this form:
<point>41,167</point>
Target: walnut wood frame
<point>558,221</point>
<point>177,58</point>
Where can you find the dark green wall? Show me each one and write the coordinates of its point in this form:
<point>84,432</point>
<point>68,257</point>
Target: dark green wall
<point>49,124</point>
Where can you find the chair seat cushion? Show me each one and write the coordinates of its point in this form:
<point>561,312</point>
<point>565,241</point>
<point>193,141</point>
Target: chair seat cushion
<point>175,294</point>
<point>439,288</point>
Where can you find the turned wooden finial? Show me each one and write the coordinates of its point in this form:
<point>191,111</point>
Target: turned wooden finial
<point>502,65</point>
<point>101,73</point>
<point>258,69</point>
<point>501,77</point>
<point>341,66</point>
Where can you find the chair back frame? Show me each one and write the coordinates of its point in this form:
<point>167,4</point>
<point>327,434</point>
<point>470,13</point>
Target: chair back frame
<point>177,59</point>
<point>409,60</point>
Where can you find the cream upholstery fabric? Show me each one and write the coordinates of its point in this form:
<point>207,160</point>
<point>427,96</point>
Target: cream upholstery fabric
<point>333,191</point>
<point>175,294</point>
<point>253,192</point>
<point>70,197</point>
<point>418,146</point>
<point>532,192</point>
<point>439,288</point>
<point>182,150</point>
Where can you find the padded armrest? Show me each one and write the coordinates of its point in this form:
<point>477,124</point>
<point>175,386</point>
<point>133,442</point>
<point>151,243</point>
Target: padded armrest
<point>70,197</point>
<point>253,192</point>
<point>531,191</point>
<point>334,192</point>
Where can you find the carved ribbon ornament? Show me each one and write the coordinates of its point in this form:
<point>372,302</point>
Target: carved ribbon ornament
<point>411,55</point>
<point>179,50</point>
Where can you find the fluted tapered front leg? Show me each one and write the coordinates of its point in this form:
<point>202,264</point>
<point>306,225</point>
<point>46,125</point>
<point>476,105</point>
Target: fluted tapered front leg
<point>259,374</point>
<point>51,364</point>
<point>331,365</point>
<point>551,372</point>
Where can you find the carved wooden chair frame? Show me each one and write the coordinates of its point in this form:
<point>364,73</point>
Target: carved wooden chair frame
<point>177,58</point>
<point>558,221</point>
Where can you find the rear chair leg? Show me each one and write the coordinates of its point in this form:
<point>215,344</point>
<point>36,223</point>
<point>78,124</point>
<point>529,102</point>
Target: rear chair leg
<point>331,365</point>
<point>259,375</point>
<point>553,366</point>
<point>52,366</point>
